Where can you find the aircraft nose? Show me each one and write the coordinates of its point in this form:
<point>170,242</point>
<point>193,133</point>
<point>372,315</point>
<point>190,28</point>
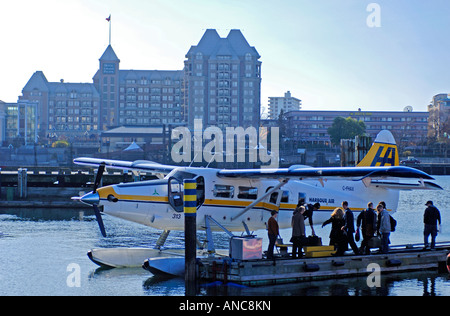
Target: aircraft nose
<point>91,199</point>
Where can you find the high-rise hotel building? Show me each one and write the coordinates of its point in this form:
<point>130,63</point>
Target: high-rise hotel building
<point>223,81</point>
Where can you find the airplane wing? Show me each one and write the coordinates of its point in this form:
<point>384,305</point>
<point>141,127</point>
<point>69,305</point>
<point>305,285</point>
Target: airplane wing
<point>355,173</point>
<point>139,165</point>
<point>422,185</point>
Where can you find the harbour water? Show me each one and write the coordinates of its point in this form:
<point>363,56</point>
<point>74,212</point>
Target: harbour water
<point>43,252</point>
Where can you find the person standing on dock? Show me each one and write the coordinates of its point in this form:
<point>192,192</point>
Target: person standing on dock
<point>308,214</point>
<point>383,227</point>
<point>431,218</point>
<point>272,232</point>
<point>298,231</point>
<point>367,220</point>
<point>337,236</point>
<point>349,227</point>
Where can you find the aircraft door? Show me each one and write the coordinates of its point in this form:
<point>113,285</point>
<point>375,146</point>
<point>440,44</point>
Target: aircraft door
<point>176,193</point>
<point>200,190</point>
<point>275,197</point>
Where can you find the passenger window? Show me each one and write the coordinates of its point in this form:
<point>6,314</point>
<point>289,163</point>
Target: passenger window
<point>285,197</point>
<point>301,197</point>
<point>248,193</point>
<point>273,198</point>
<point>224,191</point>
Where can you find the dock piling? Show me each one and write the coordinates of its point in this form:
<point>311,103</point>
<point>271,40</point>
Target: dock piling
<point>22,182</point>
<point>190,234</point>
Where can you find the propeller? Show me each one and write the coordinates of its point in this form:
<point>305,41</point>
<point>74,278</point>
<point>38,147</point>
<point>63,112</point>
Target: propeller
<point>98,178</point>
<point>99,220</point>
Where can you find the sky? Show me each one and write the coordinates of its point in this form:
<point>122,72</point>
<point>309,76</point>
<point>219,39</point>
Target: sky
<point>323,51</point>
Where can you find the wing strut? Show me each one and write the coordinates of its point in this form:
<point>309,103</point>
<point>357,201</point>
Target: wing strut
<point>252,205</point>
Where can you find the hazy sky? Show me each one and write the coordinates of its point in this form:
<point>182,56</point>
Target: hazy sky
<point>323,51</point>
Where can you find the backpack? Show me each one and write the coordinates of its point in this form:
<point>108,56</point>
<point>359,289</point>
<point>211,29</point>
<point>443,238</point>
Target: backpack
<point>393,223</point>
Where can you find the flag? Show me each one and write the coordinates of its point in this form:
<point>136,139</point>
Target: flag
<point>108,18</point>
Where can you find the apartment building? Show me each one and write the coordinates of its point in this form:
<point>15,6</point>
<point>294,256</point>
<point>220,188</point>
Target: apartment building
<point>2,122</point>
<point>408,127</point>
<point>439,111</point>
<point>68,109</point>
<point>286,104</point>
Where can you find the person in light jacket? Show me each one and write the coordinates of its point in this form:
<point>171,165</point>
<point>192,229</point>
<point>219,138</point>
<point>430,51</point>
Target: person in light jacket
<point>384,227</point>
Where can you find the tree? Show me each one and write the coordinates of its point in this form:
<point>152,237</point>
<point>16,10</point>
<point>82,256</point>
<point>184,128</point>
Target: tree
<point>60,144</point>
<point>345,128</point>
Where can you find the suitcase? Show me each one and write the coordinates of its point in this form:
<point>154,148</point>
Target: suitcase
<point>314,241</point>
<point>374,242</point>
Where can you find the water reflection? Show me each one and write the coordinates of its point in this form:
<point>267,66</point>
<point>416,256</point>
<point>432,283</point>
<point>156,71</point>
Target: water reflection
<point>426,283</point>
<point>48,214</point>
<point>166,286</point>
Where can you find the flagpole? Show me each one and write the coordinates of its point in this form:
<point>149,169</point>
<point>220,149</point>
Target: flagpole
<point>109,21</point>
<point>109,29</point>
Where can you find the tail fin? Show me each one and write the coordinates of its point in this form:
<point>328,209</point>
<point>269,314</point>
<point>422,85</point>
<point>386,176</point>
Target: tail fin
<point>383,152</point>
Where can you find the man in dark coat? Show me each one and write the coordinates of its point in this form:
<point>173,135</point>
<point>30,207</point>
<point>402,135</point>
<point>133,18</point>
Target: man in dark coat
<point>349,227</point>
<point>272,232</point>
<point>431,218</point>
<point>367,220</point>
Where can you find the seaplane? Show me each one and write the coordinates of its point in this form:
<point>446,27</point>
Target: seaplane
<point>241,200</point>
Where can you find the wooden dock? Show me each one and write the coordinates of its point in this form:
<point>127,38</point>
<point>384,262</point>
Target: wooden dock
<point>285,270</point>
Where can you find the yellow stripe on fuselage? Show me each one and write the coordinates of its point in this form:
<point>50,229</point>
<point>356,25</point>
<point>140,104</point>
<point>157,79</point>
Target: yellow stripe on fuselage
<point>105,191</point>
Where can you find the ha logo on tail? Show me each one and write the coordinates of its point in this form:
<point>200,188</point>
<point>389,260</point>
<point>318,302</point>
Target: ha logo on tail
<point>383,153</point>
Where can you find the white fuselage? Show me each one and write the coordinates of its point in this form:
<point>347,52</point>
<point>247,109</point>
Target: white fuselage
<point>158,203</point>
